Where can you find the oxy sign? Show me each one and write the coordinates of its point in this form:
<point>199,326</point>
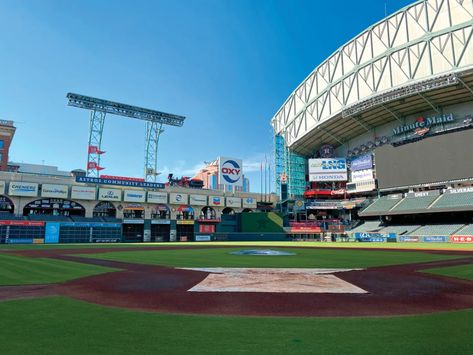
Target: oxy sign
<point>230,171</point>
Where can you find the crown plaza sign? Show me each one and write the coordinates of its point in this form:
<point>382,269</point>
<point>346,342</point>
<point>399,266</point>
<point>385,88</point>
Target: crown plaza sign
<point>422,123</point>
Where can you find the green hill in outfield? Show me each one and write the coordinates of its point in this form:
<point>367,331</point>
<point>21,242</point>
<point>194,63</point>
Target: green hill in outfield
<point>270,222</point>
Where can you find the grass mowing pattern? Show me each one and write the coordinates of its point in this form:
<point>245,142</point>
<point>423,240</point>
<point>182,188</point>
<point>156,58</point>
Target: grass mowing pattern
<point>18,270</point>
<point>310,258</point>
<point>57,325</point>
<point>459,271</point>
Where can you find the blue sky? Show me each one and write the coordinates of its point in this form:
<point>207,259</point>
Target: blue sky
<point>226,65</point>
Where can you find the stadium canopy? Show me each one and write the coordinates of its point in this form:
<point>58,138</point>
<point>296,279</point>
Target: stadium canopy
<point>415,60</point>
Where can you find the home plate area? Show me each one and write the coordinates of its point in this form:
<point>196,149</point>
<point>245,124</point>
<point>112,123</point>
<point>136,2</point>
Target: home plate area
<point>275,280</point>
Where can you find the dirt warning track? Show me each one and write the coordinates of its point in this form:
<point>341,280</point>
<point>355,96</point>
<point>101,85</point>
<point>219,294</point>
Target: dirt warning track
<point>390,290</point>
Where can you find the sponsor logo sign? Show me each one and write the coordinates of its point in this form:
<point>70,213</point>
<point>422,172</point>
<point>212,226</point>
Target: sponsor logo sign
<point>19,241</point>
<point>407,239</point>
<point>362,163</point>
<point>435,239</point>
<point>56,191</point>
<point>249,202</point>
<point>90,224</point>
<point>328,169</point>
<point>133,221</point>
<point>51,233</point>
<point>160,221</point>
<point>230,171</point>
<point>370,237</point>
<point>123,178</point>
<point>119,182</point>
<point>233,202</point>
<point>22,223</point>
<point>110,194</point>
<point>299,205</point>
<point>83,193</point>
<point>215,201</point>
<point>185,221</point>
<point>460,190</point>
<point>157,197</point>
<point>461,239</point>
<point>23,189</point>
<point>198,200</point>
<point>2,187</point>
<point>362,175</point>
<point>202,238</point>
<point>423,193</point>
<point>422,125</point>
<point>134,196</point>
<point>178,199</point>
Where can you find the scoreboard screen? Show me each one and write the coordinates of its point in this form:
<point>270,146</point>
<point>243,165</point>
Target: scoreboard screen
<point>433,159</point>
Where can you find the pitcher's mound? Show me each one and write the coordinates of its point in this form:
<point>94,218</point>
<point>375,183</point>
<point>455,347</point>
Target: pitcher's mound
<point>274,280</point>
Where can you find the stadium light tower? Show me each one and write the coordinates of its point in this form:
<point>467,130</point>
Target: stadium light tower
<point>154,127</point>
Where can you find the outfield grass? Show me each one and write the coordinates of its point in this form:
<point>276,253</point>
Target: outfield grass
<point>459,271</point>
<point>57,325</point>
<point>426,246</point>
<point>310,258</point>
<point>18,270</point>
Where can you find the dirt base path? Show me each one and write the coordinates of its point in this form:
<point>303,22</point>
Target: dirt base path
<point>392,290</point>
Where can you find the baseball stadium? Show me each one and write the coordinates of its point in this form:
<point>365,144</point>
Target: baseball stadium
<point>366,247</point>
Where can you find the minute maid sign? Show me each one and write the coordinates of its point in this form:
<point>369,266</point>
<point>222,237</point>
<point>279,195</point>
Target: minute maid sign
<point>422,125</point>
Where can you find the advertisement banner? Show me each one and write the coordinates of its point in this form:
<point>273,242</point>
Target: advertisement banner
<point>362,175</point>
<point>423,194</point>
<point>409,239</point>
<point>178,199</point>
<point>157,197</point>
<point>134,196</point>
<point>461,239</point>
<point>160,221</point>
<point>202,238</point>
<point>23,189</point>
<point>216,201</point>
<point>185,221</point>
<point>362,162</point>
<point>230,171</point>
<point>370,237</point>
<point>249,202</point>
<point>55,191</point>
<point>198,200</point>
<point>110,194</point>
<point>436,239</point>
<point>119,182</point>
<point>51,234</point>
<point>22,223</point>
<point>328,169</point>
<point>2,187</point>
<point>83,193</point>
<point>460,190</point>
<point>299,205</point>
<point>233,202</point>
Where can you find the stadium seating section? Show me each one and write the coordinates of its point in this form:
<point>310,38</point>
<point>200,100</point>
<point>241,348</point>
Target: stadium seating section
<point>454,200</point>
<point>414,203</point>
<point>382,204</point>
<point>446,201</point>
<point>437,229</point>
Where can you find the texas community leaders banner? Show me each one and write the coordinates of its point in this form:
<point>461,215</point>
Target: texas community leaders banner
<point>230,171</point>
<point>328,169</point>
